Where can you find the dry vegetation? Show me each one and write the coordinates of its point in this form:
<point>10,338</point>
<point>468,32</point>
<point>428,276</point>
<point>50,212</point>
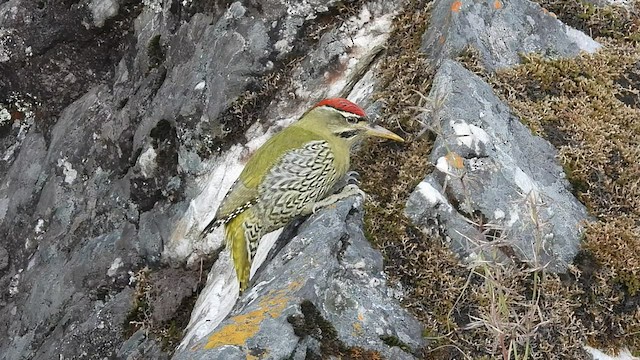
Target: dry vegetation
<point>589,108</point>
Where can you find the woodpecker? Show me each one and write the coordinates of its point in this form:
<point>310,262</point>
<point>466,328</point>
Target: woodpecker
<point>292,174</point>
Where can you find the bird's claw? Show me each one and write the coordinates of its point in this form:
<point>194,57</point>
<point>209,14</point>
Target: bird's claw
<point>353,189</point>
<point>352,177</point>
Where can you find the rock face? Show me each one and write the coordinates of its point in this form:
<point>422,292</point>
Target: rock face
<point>490,168</point>
<point>122,124</point>
<point>500,31</point>
<point>323,294</point>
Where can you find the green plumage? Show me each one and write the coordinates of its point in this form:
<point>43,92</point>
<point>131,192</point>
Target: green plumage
<point>285,177</point>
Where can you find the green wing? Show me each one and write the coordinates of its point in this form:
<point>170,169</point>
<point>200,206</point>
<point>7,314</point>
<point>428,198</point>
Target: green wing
<point>244,192</point>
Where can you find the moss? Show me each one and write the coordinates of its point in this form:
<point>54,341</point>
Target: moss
<point>392,341</point>
<point>610,21</point>
<point>312,323</point>
<point>155,52</point>
<point>600,161</point>
<point>586,107</point>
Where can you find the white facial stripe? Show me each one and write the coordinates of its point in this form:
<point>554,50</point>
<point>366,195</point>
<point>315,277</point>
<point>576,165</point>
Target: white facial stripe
<point>346,114</point>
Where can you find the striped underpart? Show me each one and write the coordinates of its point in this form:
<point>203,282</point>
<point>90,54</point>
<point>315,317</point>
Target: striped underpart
<point>302,177</point>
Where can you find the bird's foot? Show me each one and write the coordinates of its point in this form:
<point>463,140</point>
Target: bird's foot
<point>352,177</point>
<point>349,190</point>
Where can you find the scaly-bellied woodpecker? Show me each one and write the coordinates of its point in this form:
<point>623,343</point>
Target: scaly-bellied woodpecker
<point>292,174</point>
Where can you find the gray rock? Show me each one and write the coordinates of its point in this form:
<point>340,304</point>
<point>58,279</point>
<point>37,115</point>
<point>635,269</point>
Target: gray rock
<point>103,10</point>
<point>499,31</point>
<point>492,171</point>
<point>4,258</point>
<point>324,290</point>
<point>101,146</point>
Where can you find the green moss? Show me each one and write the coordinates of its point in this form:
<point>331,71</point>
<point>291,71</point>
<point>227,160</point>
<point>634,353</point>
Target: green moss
<point>312,323</point>
<point>155,52</point>
<point>598,160</point>
<point>577,104</point>
<point>392,341</point>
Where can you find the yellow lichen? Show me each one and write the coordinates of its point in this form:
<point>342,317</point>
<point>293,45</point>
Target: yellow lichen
<point>244,326</point>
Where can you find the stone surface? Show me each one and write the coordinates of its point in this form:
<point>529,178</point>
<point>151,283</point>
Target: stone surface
<point>324,289</point>
<point>122,124</point>
<point>495,185</point>
<point>113,116</point>
<point>499,31</point>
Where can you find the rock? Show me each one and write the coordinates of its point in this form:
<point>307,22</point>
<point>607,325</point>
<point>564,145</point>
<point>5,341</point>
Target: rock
<point>492,171</point>
<point>110,114</point>
<point>4,258</point>
<point>500,32</point>
<point>323,294</point>
<point>103,10</point>
<point>121,124</point>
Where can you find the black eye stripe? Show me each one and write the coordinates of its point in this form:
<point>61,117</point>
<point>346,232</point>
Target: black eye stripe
<point>348,134</point>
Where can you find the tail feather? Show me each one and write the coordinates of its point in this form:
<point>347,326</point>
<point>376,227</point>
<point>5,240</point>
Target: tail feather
<point>237,244</point>
<point>210,227</point>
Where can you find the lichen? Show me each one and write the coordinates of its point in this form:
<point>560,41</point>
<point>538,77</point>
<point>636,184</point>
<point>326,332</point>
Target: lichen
<point>587,108</point>
<point>311,323</point>
<point>242,327</point>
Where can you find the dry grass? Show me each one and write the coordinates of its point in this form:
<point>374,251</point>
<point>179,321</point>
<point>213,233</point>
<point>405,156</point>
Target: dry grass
<point>588,108</point>
<point>582,107</point>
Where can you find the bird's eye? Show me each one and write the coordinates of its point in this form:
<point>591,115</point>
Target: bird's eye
<point>352,119</point>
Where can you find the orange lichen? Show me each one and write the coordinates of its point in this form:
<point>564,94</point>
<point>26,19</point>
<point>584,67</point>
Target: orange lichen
<point>357,328</point>
<point>455,160</point>
<point>497,4</point>
<point>456,6</point>
<point>245,326</point>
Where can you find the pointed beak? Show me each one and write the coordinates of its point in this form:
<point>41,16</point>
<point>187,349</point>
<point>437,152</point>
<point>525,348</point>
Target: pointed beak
<point>379,131</point>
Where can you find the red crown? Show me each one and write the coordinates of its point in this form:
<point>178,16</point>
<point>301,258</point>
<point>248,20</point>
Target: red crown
<point>342,105</point>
